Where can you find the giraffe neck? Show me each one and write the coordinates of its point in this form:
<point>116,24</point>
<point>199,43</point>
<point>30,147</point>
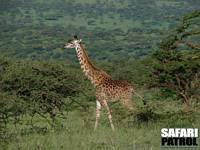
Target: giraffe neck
<point>95,75</point>
<point>88,68</point>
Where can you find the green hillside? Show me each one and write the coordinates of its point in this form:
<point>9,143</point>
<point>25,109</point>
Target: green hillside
<point>37,29</point>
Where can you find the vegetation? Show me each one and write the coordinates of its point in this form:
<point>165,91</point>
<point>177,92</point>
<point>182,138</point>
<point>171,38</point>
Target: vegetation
<point>46,101</point>
<point>177,70</point>
<point>37,29</point>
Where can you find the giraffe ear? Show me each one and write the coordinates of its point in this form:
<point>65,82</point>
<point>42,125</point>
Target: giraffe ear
<point>75,37</point>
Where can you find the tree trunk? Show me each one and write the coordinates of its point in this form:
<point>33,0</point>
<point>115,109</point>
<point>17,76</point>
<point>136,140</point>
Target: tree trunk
<point>186,101</point>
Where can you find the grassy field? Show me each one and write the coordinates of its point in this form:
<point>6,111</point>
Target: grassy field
<point>138,131</point>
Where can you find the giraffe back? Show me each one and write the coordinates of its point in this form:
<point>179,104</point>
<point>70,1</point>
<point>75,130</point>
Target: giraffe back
<point>113,90</point>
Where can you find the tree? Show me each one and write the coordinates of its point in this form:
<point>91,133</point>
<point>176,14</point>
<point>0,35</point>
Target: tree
<point>177,70</point>
<point>37,88</point>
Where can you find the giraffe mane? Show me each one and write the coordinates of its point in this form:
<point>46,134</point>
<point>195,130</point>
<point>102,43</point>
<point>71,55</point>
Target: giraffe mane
<point>95,68</point>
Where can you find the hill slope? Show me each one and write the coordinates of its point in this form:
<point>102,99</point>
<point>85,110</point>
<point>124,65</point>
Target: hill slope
<point>37,29</point>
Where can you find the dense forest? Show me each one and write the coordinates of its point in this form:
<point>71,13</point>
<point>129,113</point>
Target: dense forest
<point>46,101</point>
<point>111,29</point>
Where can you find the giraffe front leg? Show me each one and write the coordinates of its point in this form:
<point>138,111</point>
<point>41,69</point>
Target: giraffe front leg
<point>98,111</point>
<point>109,115</point>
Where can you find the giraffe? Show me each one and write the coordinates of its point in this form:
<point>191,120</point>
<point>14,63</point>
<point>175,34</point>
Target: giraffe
<point>106,88</point>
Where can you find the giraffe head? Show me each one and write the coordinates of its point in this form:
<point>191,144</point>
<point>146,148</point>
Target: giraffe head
<point>73,43</point>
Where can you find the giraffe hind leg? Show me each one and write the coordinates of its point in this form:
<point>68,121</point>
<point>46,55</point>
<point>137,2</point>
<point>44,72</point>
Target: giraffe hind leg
<point>109,115</point>
<point>127,102</point>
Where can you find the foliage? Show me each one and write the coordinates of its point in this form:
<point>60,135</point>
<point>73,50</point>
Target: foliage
<point>37,88</point>
<point>177,71</point>
<point>37,29</point>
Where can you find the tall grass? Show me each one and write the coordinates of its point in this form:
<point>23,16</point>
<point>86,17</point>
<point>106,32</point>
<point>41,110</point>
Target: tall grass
<point>137,130</point>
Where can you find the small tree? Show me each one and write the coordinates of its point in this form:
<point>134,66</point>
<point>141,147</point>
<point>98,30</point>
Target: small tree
<point>177,70</point>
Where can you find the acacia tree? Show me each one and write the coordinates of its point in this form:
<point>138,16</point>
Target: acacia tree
<point>37,88</point>
<point>177,68</point>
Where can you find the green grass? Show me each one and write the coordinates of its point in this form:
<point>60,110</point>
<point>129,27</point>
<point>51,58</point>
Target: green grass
<point>134,132</point>
<point>76,135</point>
<point>77,138</point>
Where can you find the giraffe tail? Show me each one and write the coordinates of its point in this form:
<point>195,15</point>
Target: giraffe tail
<point>142,98</point>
